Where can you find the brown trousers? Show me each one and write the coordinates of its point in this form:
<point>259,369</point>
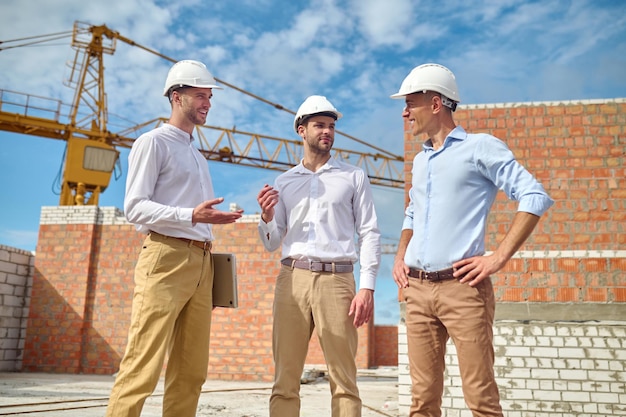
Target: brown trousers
<point>436,311</point>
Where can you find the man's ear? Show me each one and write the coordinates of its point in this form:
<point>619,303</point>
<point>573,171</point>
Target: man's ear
<point>436,103</point>
<point>176,97</point>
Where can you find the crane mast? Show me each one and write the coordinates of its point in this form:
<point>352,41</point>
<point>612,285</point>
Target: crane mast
<point>90,156</point>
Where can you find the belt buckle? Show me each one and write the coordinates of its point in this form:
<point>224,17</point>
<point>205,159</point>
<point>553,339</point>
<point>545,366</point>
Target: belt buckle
<point>316,266</point>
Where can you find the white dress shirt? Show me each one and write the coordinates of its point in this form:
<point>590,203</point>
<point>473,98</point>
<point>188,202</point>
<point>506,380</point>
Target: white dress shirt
<point>167,178</point>
<point>319,214</point>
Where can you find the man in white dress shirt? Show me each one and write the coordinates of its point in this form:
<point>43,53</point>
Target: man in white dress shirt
<point>315,210</point>
<point>169,197</point>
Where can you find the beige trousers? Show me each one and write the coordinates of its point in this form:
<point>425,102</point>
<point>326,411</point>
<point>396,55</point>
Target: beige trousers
<point>304,301</point>
<point>171,316</point>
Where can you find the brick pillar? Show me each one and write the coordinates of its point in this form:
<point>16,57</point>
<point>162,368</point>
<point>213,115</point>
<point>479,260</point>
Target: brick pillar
<point>64,319</point>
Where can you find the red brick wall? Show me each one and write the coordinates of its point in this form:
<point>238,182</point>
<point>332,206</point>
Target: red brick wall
<point>241,339</point>
<point>81,303</point>
<point>385,346</point>
<point>577,152</point>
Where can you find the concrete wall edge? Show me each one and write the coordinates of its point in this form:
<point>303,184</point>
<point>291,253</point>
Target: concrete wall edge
<point>564,312</point>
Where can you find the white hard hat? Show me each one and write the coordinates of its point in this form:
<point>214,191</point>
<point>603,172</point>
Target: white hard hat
<point>189,73</point>
<point>430,77</point>
<point>315,105</point>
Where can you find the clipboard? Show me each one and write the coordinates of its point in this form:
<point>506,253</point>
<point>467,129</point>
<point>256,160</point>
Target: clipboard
<point>224,280</point>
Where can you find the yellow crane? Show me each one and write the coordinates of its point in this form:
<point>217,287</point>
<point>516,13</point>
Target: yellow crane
<point>92,150</point>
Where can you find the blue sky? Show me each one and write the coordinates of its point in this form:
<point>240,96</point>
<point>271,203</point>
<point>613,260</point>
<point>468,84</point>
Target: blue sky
<point>355,52</point>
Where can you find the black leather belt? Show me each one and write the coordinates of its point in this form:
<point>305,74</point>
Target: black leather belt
<point>442,275</point>
<point>205,245</point>
<point>316,266</point>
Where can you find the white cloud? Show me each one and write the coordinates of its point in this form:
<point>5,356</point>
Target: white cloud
<point>304,32</point>
<point>387,22</point>
<point>296,58</point>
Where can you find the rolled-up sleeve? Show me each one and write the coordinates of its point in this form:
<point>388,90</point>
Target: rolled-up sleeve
<point>498,163</point>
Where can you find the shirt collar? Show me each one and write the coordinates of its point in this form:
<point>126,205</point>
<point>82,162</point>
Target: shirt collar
<point>330,164</point>
<point>457,133</point>
<point>179,133</point>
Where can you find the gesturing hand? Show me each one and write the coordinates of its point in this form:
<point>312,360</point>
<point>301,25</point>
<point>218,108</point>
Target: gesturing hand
<point>267,199</point>
<point>205,213</point>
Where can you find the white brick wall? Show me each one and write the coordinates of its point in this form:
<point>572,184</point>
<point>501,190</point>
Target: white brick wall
<point>16,277</point>
<point>81,215</point>
<point>543,369</point>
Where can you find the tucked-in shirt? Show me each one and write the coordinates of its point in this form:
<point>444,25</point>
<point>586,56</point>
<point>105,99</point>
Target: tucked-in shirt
<point>319,214</point>
<point>453,189</point>
<point>167,178</point>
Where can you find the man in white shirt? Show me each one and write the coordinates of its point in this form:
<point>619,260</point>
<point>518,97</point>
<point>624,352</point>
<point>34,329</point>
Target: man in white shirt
<point>315,210</point>
<point>169,197</point>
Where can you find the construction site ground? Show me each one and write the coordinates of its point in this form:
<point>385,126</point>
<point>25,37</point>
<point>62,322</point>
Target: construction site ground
<point>63,395</point>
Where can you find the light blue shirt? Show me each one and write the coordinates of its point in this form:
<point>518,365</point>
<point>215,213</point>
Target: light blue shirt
<point>453,189</point>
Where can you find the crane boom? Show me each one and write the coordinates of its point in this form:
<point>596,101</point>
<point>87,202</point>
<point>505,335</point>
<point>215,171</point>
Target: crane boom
<point>93,149</point>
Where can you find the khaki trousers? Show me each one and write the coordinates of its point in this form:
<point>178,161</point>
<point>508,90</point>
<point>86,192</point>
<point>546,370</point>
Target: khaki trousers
<point>434,312</point>
<point>304,301</point>
<point>171,315</point>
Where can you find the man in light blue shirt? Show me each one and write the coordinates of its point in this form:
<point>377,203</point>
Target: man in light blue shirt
<point>441,265</point>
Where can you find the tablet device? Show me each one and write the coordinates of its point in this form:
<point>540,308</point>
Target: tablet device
<point>224,280</point>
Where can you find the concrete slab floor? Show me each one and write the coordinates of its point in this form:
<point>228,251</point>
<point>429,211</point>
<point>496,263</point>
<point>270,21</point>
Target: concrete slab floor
<point>62,395</point>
